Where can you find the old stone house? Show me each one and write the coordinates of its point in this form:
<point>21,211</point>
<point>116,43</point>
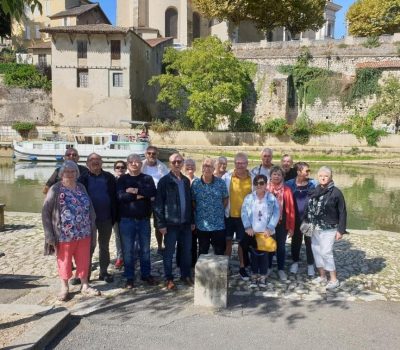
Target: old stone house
<point>100,74</point>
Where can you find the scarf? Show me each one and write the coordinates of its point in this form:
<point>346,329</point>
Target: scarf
<point>316,205</point>
<point>277,191</point>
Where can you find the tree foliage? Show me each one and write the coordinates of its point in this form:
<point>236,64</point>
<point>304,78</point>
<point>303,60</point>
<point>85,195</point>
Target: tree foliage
<point>25,76</point>
<point>204,82</point>
<point>295,15</point>
<point>5,24</point>
<point>388,104</point>
<point>374,17</point>
<point>16,8</point>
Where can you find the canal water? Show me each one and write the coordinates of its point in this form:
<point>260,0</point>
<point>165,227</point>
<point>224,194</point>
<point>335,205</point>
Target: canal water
<point>372,192</point>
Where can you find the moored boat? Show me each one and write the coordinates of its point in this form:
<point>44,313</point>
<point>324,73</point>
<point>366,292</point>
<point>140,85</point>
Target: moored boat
<point>110,146</point>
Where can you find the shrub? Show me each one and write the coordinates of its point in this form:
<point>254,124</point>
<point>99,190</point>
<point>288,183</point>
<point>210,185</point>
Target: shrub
<point>277,126</point>
<point>26,76</point>
<point>244,123</point>
<point>161,126</point>
<point>301,130</point>
<point>371,42</point>
<point>326,128</point>
<point>23,128</point>
<point>362,127</point>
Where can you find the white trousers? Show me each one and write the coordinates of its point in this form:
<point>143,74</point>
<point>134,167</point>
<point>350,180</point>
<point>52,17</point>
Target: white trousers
<point>322,247</point>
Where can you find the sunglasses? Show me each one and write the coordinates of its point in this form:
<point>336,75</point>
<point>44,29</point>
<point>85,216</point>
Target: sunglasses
<point>260,183</point>
<point>120,167</point>
<point>71,155</point>
<point>151,153</point>
<point>177,162</point>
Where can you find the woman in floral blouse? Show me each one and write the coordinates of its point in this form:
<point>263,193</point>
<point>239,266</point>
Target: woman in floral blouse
<point>69,225</point>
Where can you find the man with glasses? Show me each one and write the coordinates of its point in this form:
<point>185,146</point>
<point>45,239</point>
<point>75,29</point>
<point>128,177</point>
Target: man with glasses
<point>210,197</point>
<point>266,163</point>
<point>101,188</point>
<point>70,154</point>
<point>135,191</point>
<point>174,215</point>
<point>156,169</point>
<point>287,166</point>
<point>239,185</point>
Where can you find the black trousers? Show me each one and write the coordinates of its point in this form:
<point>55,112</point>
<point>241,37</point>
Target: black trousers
<point>193,251</point>
<point>215,238</point>
<point>297,240</point>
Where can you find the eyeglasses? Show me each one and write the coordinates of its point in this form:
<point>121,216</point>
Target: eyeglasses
<point>71,155</point>
<point>177,162</point>
<point>120,167</point>
<point>151,153</point>
<point>260,183</point>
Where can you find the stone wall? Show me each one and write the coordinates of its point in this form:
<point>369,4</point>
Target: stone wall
<point>24,105</point>
<point>341,56</point>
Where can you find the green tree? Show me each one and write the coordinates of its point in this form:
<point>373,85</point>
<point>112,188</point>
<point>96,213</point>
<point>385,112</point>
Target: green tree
<point>388,104</point>
<point>295,15</point>
<point>16,8</point>
<point>374,17</point>
<point>5,24</point>
<point>204,83</point>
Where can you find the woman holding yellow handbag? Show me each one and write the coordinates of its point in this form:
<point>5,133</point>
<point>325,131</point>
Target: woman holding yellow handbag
<point>260,215</point>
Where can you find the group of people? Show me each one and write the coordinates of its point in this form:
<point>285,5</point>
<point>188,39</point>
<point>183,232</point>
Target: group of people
<point>191,213</point>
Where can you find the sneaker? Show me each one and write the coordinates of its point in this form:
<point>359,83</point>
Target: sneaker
<point>310,271</point>
<point>253,282</point>
<point>118,264</point>
<point>269,271</point>
<point>319,280</point>
<point>262,282</point>
<point>106,277</point>
<point>294,268</point>
<point>243,274</point>
<point>129,284</point>
<point>332,285</point>
<point>150,280</point>
<point>282,275</point>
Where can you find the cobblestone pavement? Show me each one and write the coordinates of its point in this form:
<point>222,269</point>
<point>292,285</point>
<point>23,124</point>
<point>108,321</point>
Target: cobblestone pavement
<point>367,264</point>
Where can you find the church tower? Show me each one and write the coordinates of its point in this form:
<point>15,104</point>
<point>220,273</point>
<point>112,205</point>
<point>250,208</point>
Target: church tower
<point>132,13</point>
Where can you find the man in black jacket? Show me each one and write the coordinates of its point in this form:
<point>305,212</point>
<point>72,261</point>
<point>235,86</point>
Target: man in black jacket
<point>100,186</point>
<point>134,193</point>
<point>173,209</point>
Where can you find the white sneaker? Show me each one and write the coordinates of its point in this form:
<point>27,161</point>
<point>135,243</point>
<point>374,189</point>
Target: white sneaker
<point>282,275</point>
<point>262,282</point>
<point>253,283</point>
<point>294,268</point>
<point>269,271</point>
<point>332,285</point>
<point>310,271</point>
<point>319,280</point>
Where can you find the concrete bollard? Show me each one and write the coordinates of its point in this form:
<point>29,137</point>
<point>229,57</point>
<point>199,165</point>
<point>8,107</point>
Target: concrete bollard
<point>211,281</point>
<point>2,225</point>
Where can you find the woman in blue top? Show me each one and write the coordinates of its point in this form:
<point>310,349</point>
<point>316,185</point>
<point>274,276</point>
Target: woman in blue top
<point>301,186</point>
<point>260,214</point>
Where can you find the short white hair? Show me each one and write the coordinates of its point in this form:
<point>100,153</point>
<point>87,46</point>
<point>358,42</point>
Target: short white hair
<point>326,170</point>
<point>71,165</point>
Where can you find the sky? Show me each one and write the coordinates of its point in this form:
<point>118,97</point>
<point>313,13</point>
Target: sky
<point>109,8</point>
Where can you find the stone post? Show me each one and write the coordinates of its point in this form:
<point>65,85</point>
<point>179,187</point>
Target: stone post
<point>211,281</point>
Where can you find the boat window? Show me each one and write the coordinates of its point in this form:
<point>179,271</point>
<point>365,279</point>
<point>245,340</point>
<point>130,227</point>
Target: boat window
<point>84,139</point>
<point>97,140</point>
<point>37,146</point>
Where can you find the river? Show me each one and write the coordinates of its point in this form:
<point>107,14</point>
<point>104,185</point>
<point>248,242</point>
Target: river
<point>372,192</point>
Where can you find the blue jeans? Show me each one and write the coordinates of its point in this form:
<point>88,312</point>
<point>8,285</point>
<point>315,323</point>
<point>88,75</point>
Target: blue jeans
<point>280,237</point>
<point>259,262</point>
<point>130,230</point>
<point>183,235</point>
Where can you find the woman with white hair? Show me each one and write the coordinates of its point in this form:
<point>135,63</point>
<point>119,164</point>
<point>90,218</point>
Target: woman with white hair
<point>326,213</point>
<point>69,226</point>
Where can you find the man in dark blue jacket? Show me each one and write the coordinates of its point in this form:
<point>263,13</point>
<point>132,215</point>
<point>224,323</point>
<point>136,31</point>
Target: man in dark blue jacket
<point>173,209</point>
<point>100,186</point>
<point>134,193</point>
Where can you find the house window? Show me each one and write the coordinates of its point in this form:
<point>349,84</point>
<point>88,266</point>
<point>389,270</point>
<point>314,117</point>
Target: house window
<point>37,33</point>
<point>171,23</point>
<point>117,79</point>
<point>82,49</point>
<point>27,33</point>
<point>115,49</point>
<point>42,60</point>
<point>82,78</point>
<point>196,25</point>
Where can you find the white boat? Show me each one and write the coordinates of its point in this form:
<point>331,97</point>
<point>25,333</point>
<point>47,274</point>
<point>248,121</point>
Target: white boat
<point>110,146</point>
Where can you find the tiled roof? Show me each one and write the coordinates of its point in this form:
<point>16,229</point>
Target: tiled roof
<point>379,64</point>
<point>75,11</point>
<point>87,29</point>
<point>157,41</point>
<point>41,45</point>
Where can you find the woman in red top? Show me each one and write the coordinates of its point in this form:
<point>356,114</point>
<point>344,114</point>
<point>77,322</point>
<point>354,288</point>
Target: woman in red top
<point>286,223</point>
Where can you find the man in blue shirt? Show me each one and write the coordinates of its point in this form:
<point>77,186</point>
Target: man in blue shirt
<point>100,186</point>
<point>210,197</point>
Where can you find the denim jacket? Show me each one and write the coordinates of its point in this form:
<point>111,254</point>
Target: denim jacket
<point>272,214</point>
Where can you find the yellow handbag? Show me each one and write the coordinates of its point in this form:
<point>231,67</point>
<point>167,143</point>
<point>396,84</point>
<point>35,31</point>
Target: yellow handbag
<point>265,244</point>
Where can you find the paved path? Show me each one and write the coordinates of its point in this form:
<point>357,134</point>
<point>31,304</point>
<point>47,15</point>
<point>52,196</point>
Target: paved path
<point>367,264</point>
